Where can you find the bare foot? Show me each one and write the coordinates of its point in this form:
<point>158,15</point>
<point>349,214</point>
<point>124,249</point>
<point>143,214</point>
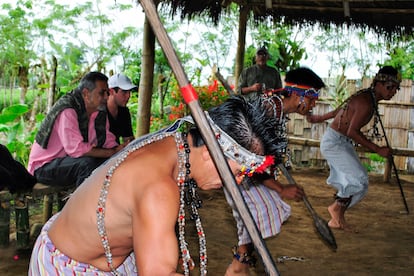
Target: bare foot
<point>237,268</point>
<point>337,212</point>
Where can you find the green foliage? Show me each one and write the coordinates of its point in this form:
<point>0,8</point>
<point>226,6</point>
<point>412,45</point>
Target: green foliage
<point>13,127</point>
<point>285,47</point>
<point>375,157</point>
<point>208,95</point>
<point>401,55</point>
<point>15,38</point>
<point>375,164</point>
<point>339,93</point>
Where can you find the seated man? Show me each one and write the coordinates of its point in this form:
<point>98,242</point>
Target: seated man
<point>74,138</point>
<point>122,218</point>
<point>120,88</point>
<point>13,175</point>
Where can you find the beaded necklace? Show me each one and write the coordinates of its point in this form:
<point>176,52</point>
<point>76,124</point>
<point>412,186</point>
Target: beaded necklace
<point>276,103</point>
<point>183,152</point>
<point>188,196</point>
<point>373,132</point>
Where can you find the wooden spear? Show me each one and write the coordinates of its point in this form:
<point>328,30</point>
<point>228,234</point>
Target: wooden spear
<point>191,98</point>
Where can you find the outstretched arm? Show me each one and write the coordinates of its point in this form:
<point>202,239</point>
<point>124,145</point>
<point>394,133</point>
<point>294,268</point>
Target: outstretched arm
<point>321,118</point>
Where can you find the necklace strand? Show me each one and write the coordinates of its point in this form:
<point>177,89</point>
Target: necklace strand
<point>183,151</point>
<point>184,181</point>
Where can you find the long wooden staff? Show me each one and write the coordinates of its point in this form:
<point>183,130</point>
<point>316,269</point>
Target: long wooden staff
<point>224,82</point>
<point>321,225</point>
<point>191,98</point>
<point>391,159</point>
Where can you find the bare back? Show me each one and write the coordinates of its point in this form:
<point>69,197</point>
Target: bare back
<point>148,171</point>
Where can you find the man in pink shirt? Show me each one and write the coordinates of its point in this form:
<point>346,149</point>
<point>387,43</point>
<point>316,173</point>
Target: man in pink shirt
<point>74,138</point>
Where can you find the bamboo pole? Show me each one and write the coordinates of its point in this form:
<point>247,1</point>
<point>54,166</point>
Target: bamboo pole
<point>22,222</point>
<point>191,98</point>
<point>4,219</point>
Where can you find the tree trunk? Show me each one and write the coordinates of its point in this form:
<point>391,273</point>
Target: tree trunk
<point>146,83</point>
<point>52,87</point>
<point>241,45</point>
<point>24,82</point>
<point>161,86</point>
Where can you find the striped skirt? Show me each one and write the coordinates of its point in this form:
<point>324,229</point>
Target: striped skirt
<point>268,209</point>
<point>46,259</point>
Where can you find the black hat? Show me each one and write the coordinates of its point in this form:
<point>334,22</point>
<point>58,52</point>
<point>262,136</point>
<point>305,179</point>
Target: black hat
<point>262,50</point>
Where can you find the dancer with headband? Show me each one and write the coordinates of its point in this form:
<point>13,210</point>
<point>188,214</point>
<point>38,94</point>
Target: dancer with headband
<point>264,193</point>
<point>347,175</point>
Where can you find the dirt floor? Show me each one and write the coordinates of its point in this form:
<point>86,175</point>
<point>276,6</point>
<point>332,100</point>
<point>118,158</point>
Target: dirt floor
<point>382,245</point>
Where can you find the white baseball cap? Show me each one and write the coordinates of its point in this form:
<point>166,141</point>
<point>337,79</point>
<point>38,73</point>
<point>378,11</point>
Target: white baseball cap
<point>121,81</point>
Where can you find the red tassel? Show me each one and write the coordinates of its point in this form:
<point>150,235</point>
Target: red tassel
<point>269,161</point>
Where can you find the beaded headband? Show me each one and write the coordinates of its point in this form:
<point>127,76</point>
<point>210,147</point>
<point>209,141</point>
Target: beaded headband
<point>302,90</point>
<point>381,77</point>
<point>249,161</point>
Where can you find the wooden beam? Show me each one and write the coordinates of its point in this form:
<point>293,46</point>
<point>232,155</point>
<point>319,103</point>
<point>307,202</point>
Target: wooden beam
<point>316,143</point>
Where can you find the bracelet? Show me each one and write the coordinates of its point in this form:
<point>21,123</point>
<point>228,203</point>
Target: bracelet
<point>244,258</point>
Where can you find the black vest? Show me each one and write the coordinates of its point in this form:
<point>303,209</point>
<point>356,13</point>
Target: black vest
<point>73,100</point>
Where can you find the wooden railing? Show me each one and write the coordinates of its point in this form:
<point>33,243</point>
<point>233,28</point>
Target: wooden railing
<point>387,169</point>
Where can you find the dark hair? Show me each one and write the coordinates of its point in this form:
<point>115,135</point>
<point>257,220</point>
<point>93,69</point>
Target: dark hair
<point>246,122</point>
<point>388,70</point>
<point>385,74</point>
<point>304,76</point>
<point>90,79</point>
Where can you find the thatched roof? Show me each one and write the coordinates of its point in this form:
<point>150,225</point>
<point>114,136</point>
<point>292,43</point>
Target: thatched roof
<point>384,17</point>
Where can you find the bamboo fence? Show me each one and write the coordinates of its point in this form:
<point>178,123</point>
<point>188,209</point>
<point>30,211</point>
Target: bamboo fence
<point>397,116</point>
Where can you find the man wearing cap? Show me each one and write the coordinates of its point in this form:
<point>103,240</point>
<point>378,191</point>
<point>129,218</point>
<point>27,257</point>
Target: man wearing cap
<point>347,175</point>
<point>259,77</point>
<point>120,88</point>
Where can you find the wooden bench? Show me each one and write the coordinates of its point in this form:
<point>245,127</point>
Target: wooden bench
<point>48,193</point>
<point>21,206</point>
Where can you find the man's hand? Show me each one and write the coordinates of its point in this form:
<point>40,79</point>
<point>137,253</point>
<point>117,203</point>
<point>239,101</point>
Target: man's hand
<point>256,87</point>
<point>293,192</point>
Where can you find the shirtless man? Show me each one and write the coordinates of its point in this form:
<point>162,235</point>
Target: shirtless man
<point>347,174</point>
<point>121,220</point>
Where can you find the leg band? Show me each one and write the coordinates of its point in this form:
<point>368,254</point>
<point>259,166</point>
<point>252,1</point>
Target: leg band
<point>343,201</point>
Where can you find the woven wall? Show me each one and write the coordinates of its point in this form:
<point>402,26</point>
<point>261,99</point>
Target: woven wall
<point>397,116</point>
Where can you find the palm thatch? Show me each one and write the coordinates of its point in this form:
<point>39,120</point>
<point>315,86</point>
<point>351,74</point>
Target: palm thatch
<point>384,17</point>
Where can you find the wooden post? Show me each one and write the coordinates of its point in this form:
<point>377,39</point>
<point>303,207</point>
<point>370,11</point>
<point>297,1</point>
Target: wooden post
<point>387,171</point>
<point>241,44</point>
<point>47,207</point>
<point>4,219</point>
<point>22,222</point>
